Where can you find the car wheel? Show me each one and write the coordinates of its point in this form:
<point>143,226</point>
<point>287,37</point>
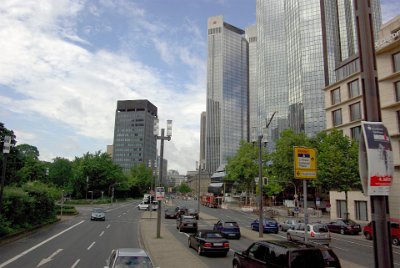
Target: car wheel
<point>199,251</point>
<point>280,228</point>
<point>342,231</point>
<point>189,243</point>
<point>236,264</point>
<point>289,238</point>
<point>368,236</point>
<point>395,240</point>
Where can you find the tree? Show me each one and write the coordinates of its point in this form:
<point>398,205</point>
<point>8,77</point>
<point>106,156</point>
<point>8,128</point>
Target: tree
<point>140,177</point>
<point>60,172</point>
<point>27,151</point>
<point>184,188</point>
<point>337,163</point>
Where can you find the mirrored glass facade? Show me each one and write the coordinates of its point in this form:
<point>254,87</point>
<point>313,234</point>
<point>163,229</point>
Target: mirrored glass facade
<point>227,92</point>
<point>251,37</point>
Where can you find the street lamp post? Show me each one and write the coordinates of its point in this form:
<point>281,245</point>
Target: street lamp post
<point>8,142</point>
<point>260,168</point>
<point>198,191</point>
<point>162,138</point>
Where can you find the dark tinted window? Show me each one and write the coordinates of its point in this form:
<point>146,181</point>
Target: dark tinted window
<point>231,224</point>
<point>260,253</point>
<point>320,228</point>
<point>213,235</point>
<point>303,259</point>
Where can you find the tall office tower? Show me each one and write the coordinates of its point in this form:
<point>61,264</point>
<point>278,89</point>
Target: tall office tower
<point>134,140</point>
<point>251,37</point>
<point>202,140</point>
<point>227,92</point>
<point>291,71</point>
<point>340,37</point>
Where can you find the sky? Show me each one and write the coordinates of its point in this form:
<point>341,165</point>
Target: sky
<point>64,64</point>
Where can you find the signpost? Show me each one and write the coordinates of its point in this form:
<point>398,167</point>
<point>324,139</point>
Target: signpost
<point>305,167</point>
<point>160,193</point>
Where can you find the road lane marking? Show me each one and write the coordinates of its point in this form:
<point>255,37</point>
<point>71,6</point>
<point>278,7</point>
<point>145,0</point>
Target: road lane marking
<point>75,263</point>
<point>38,245</point>
<point>50,258</point>
<point>108,226</point>
<point>91,245</point>
<point>101,234</point>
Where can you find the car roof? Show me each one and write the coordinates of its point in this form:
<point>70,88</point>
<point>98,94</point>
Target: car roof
<point>131,252</point>
<point>287,244</point>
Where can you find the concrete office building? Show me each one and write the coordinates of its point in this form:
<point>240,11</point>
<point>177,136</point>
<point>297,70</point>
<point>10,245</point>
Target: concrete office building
<point>344,111</point>
<point>203,140</point>
<point>134,140</point>
<point>227,92</point>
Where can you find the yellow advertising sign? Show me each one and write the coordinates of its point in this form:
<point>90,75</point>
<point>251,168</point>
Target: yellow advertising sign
<point>305,163</point>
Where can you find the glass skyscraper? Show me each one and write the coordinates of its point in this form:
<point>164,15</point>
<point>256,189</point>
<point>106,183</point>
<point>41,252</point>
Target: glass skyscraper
<point>227,92</point>
<point>134,140</point>
<point>251,37</point>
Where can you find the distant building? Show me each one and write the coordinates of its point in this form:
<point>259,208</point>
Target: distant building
<point>251,37</point>
<point>227,92</point>
<point>110,150</point>
<point>134,140</point>
<point>203,139</point>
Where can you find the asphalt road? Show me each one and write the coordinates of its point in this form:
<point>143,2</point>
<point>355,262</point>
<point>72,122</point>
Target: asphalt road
<point>77,242</point>
<point>351,248</point>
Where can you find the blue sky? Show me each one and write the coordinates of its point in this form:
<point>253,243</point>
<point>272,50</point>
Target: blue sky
<point>65,63</point>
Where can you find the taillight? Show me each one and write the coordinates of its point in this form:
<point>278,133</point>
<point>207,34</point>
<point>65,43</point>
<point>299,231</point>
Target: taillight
<point>312,234</point>
<point>226,245</point>
<point>207,245</point>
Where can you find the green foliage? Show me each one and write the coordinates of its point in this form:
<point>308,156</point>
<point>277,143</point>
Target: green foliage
<point>27,151</point>
<point>32,169</point>
<point>140,177</point>
<point>60,172</point>
<point>272,188</point>
<point>184,188</point>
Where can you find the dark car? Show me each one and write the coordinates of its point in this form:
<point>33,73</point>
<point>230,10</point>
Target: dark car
<point>208,241</point>
<point>186,224</point>
<point>288,224</point>
<point>394,231</point>
<point>270,225</point>
<point>330,258</point>
<point>279,254</point>
<point>170,213</point>
<point>193,212</point>
<point>180,210</point>
<point>229,229</point>
<point>344,226</point>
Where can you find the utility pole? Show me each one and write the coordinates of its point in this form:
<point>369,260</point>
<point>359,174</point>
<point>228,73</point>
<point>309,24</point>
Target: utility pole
<point>7,142</point>
<point>379,203</point>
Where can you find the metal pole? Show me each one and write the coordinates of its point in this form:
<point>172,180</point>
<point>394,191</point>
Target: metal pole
<point>305,210</point>
<point>62,204</point>
<point>260,184</point>
<point>3,178</point>
<point>198,193</point>
<point>379,204</point>
<point>160,182</point>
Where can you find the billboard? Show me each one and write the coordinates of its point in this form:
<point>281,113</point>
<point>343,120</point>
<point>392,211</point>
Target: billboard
<point>305,163</point>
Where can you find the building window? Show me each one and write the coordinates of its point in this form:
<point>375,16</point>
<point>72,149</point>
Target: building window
<point>335,96</point>
<point>337,117</point>
<point>397,90</point>
<point>341,209</point>
<point>396,62</point>
<point>398,120</point>
<point>361,211</point>
<point>355,111</point>
<point>355,133</point>
<point>354,89</point>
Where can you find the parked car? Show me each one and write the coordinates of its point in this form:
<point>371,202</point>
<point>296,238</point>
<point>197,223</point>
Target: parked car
<point>154,205</point>
<point>288,224</point>
<point>344,227</point>
<point>330,257</point>
<point>129,257</point>
<point>275,253</point>
<point>208,241</point>
<point>394,230</point>
<point>316,233</point>
<point>180,210</point>
<point>193,212</point>
<point>270,225</point>
<point>98,214</point>
<point>143,206</point>
<point>170,213</point>
<point>229,229</point>
<point>186,224</point>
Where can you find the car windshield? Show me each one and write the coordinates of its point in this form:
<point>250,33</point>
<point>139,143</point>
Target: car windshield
<point>349,222</point>
<point>133,261</point>
<point>213,235</point>
<point>231,224</point>
<point>190,210</point>
<point>98,210</point>
<point>321,228</point>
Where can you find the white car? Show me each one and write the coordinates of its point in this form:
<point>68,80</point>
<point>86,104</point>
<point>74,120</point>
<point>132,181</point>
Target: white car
<point>154,205</point>
<point>143,206</point>
<point>98,214</point>
<point>316,233</point>
<point>129,257</point>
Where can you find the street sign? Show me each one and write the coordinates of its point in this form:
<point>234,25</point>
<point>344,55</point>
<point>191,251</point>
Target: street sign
<point>305,163</point>
<point>7,144</point>
<point>160,193</point>
<point>375,159</point>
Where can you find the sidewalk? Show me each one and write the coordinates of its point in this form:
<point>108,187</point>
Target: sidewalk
<point>168,252</point>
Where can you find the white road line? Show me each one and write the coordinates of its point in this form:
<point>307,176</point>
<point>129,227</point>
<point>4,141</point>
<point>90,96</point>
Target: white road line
<point>75,263</point>
<point>38,245</point>
<point>91,245</point>
<point>108,226</point>
<point>101,234</point>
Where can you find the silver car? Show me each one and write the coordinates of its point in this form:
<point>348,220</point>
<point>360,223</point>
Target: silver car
<point>288,224</point>
<point>129,257</point>
<point>98,214</point>
<point>316,233</point>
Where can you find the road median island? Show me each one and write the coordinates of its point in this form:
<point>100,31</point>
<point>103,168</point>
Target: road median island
<point>166,251</point>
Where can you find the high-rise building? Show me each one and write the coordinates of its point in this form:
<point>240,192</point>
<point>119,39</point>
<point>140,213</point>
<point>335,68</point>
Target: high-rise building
<point>227,92</point>
<point>251,37</point>
<point>134,140</point>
